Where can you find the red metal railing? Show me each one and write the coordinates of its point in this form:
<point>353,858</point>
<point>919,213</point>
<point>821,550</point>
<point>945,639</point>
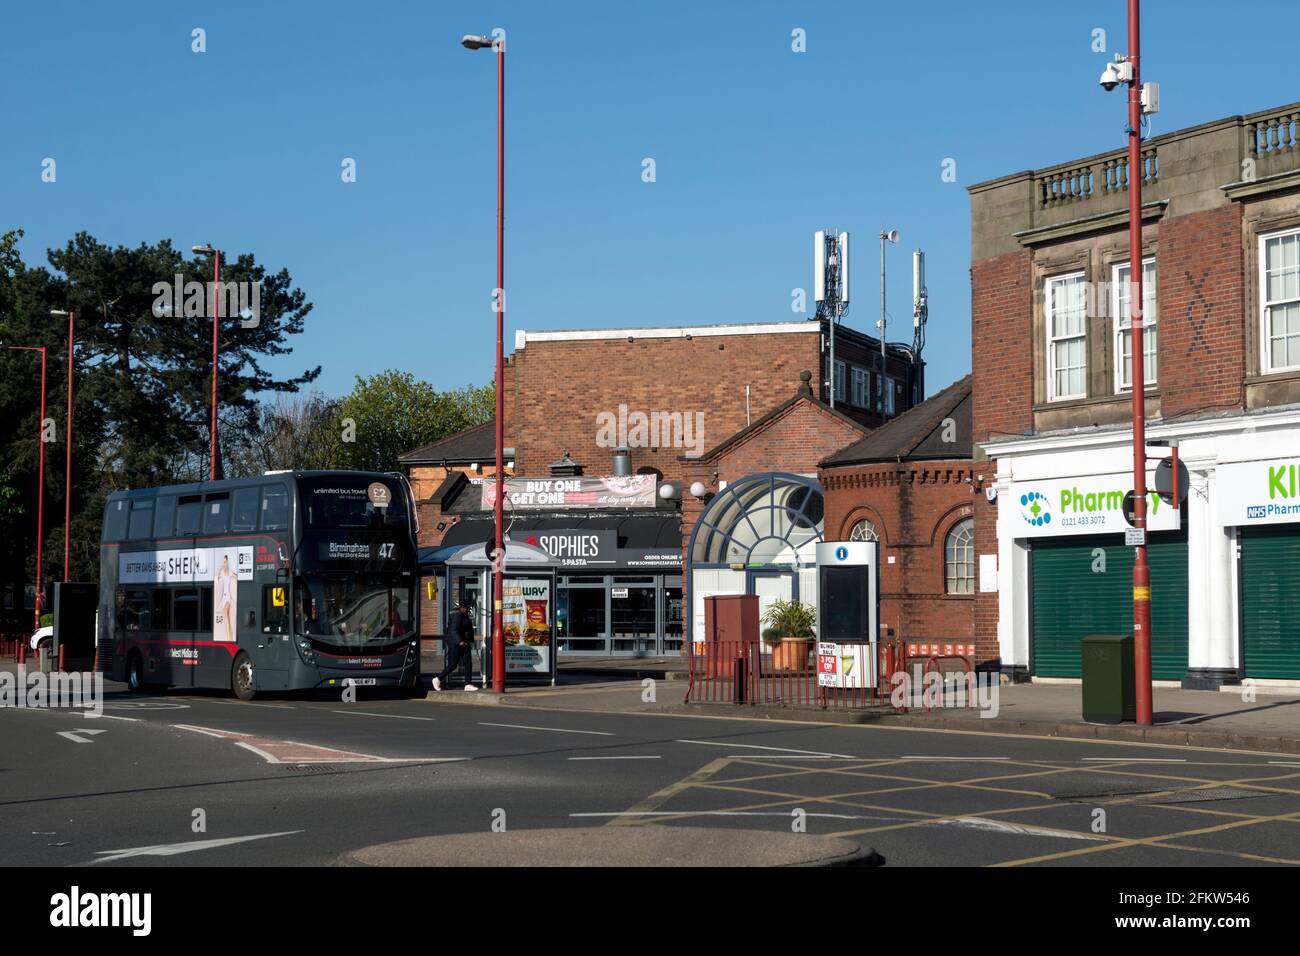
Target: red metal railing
<point>968,677</point>
<point>748,672</point>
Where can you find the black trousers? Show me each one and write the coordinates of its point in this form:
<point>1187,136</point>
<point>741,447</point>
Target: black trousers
<point>458,654</point>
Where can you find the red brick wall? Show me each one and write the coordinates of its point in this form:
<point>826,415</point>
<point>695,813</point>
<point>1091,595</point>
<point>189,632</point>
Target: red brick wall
<point>1003,383</point>
<point>561,386</point>
<point>1001,345</point>
<point>1201,270</point>
<point>913,506</point>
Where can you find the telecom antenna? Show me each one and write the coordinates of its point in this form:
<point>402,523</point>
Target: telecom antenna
<point>920,303</point>
<point>831,289</point>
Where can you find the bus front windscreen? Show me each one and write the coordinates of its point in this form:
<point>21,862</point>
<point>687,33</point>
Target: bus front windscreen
<point>354,610</point>
<point>341,503</point>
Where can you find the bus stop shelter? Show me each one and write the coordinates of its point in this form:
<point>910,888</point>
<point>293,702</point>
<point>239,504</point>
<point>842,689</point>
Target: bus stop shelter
<point>466,573</point>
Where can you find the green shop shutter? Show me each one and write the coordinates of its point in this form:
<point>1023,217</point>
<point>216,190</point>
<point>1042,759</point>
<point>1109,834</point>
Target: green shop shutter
<point>1071,601</point>
<point>1270,601</point>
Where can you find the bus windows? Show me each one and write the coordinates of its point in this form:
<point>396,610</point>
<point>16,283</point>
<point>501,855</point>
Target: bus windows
<point>243,513</point>
<point>275,508</point>
<point>164,514</point>
<point>185,610</point>
<point>115,518</point>
<point>189,512</point>
<point>161,619</point>
<point>134,610</point>
<point>216,514</point>
<point>141,523</point>
<point>275,609</point>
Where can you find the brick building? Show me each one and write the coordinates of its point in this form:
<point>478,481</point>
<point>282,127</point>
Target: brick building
<point>1051,415</point>
<point>595,412</point>
<point>908,486</point>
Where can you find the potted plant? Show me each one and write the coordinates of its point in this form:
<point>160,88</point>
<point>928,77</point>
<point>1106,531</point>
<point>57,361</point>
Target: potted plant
<point>791,631</point>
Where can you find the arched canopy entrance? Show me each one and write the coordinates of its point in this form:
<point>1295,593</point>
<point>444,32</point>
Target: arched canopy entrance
<point>765,520</point>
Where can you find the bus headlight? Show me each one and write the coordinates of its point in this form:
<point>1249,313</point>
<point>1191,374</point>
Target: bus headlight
<point>304,650</point>
<point>412,652</point>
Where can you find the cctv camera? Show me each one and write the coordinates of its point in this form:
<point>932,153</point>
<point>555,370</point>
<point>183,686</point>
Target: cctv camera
<point>1121,71</point>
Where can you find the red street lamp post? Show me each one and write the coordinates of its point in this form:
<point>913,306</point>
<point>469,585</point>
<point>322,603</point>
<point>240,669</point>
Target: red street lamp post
<point>40,494</point>
<point>1127,69</point>
<point>67,438</point>
<point>216,324</point>
<point>499,306</point>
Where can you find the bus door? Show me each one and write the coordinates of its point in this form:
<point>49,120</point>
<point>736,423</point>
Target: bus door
<point>264,623</point>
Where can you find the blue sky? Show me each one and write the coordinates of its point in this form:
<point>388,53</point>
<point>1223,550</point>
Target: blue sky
<point>755,147</point>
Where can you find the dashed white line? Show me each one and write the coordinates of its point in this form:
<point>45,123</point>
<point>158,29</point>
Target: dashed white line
<point>362,713</point>
<point>557,730</point>
<point>1134,759</point>
<point>629,757</point>
<point>952,758</point>
<point>789,750</point>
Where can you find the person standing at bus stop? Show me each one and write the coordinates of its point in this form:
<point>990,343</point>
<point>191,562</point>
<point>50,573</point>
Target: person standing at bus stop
<point>460,640</point>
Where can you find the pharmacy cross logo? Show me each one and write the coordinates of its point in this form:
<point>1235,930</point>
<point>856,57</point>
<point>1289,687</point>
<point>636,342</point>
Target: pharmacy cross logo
<point>1034,509</point>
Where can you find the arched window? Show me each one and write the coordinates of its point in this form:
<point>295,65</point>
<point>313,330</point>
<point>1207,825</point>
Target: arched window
<point>864,530</point>
<point>766,519</point>
<point>959,558</point>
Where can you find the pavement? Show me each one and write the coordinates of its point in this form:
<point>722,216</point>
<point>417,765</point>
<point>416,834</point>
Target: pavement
<point>647,846</point>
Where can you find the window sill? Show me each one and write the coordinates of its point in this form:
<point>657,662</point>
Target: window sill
<point>1067,403</point>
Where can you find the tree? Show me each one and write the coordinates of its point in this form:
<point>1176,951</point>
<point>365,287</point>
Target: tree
<point>392,412</point>
<point>293,431</point>
<point>142,380</point>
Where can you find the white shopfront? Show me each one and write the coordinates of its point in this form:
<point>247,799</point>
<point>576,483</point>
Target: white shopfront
<point>1242,511</point>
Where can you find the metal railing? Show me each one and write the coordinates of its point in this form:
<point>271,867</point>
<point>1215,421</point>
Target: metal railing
<point>749,672</point>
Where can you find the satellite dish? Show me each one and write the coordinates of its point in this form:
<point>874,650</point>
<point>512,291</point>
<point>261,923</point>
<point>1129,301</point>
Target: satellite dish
<point>892,235</point>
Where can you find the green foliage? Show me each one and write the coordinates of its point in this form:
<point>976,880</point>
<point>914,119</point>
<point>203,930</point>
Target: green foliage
<point>393,412</point>
<point>789,619</point>
<point>142,383</point>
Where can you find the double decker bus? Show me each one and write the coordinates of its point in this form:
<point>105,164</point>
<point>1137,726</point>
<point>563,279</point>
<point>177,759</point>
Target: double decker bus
<point>287,581</point>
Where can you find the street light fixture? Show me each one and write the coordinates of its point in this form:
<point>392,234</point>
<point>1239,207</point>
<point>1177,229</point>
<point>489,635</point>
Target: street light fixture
<point>40,493</point>
<point>67,438</point>
<point>1127,69</point>
<point>498,643</point>
<point>208,250</point>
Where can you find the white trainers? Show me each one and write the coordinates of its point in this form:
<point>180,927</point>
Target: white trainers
<point>470,687</point>
<point>437,684</point>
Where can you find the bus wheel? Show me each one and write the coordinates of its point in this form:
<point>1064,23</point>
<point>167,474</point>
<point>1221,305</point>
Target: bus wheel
<point>135,673</point>
<point>242,680</point>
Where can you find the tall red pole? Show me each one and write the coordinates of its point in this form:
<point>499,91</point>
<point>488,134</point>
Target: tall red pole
<point>498,631</point>
<point>216,322</point>
<point>1141,570</point>
<point>40,494</point>
<point>67,475</point>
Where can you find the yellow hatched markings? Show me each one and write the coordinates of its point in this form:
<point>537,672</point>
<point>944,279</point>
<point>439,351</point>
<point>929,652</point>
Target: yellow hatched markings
<point>704,779</point>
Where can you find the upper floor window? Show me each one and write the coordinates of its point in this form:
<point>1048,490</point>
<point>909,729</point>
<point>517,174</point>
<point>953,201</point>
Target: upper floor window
<point>889,396</point>
<point>1280,295</point>
<point>1067,340</point>
<point>959,558</point>
<point>864,530</point>
<point>839,381</point>
<point>861,387</point>
<point>1123,330</point>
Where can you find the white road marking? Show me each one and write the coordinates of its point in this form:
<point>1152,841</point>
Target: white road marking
<point>1134,759</point>
<point>90,716</point>
<point>734,813</point>
<point>76,735</point>
<point>791,750</point>
<point>362,713</point>
<point>174,849</point>
<point>292,751</point>
<point>629,757</point>
<point>973,823</point>
<point>953,758</point>
<point>1283,763</point>
<point>557,730</point>
<point>1018,829</point>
